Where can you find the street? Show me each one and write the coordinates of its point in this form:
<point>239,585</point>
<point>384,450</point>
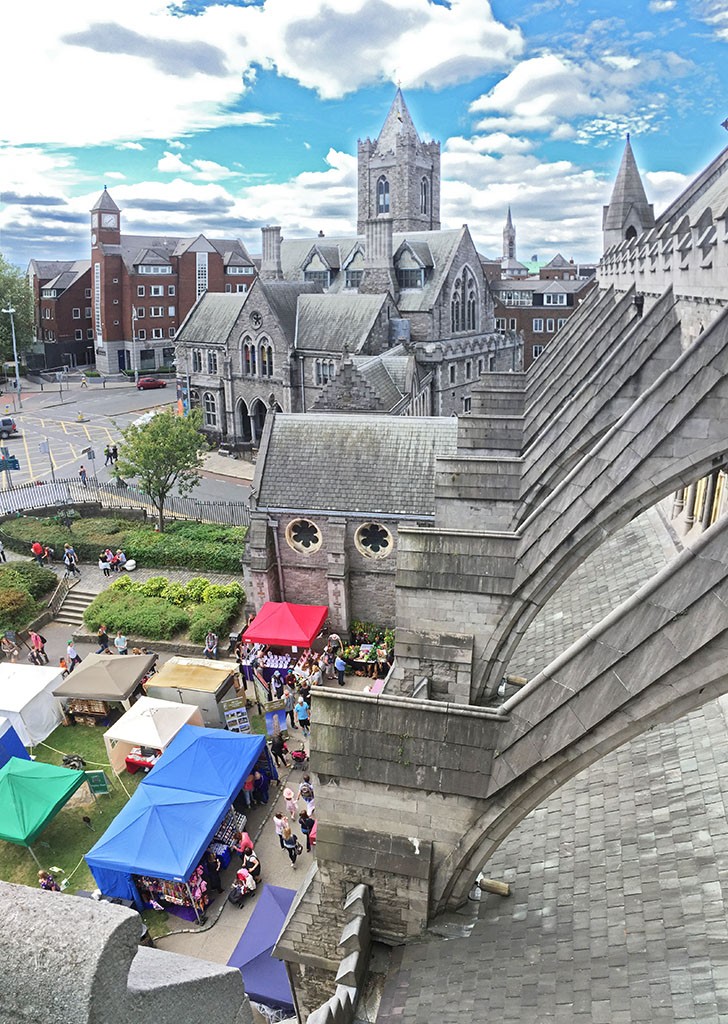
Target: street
<point>55,415</point>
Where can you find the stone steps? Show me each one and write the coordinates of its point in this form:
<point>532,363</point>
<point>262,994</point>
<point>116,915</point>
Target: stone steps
<point>72,609</point>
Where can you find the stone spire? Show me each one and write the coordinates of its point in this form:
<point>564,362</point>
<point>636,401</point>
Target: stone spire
<point>628,213</point>
<point>509,238</point>
<point>398,126</point>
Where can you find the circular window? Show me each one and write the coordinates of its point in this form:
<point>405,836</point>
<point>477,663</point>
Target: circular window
<point>374,540</point>
<point>303,535</point>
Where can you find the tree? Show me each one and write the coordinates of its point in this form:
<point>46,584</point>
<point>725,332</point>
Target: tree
<point>164,453</point>
<point>15,293</point>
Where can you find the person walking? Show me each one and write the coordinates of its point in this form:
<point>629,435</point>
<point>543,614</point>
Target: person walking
<point>37,551</point>
<point>3,557</point>
<point>114,453</point>
<point>83,475</point>
<point>305,792</point>
<point>37,647</point>
<point>104,564</point>
<point>84,381</point>
<point>72,656</point>
<point>340,668</point>
<point>103,638</point>
<point>306,823</point>
<point>280,822</point>
<point>290,703</point>
<point>291,802</point>
<point>120,643</point>
<point>302,710</point>
<point>278,749</point>
<point>70,560</point>
<point>292,846</point>
<point>107,456</point>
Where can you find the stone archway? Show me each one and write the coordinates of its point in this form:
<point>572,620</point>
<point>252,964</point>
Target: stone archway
<point>258,413</point>
<point>244,422</point>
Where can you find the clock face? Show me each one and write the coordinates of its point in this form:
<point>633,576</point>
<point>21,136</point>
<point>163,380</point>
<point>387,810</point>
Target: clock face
<point>108,220</point>
<point>256,318</point>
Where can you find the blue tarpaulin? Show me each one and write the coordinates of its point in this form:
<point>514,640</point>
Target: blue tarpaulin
<point>10,743</point>
<point>265,977</point>
<point>170,820</point>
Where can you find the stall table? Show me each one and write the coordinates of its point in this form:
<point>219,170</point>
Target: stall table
<point>135,760</point>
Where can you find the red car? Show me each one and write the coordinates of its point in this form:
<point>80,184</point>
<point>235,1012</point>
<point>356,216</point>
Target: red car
<point>147,383</point>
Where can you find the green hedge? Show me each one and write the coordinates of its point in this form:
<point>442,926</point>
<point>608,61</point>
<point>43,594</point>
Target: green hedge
<point>21,585</point>
<point>159,609</point>
<point>182,545</point>
<point>32,577</point>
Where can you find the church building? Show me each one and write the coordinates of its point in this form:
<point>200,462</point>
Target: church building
<point>396,319</point>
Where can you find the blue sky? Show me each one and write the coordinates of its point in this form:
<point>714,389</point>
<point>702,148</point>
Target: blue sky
<point>219,117</point>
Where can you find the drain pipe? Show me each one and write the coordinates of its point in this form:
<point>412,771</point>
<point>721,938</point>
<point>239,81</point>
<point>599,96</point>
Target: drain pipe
<point>274,527</point>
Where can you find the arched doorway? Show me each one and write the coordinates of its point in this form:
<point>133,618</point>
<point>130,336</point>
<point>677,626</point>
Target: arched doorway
<point>245,425</point>
<point>258,412</point>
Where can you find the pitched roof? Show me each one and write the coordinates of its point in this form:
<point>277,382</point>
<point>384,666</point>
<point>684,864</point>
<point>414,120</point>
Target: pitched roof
<point>69,275</point>
<point>212,318</point>
<point>397,480</point>
<point>283,298</point>
<point>398,125</point>
<point>46,270</point>
<point>105,202</point>
<point>160,249</point>
<point>328,322</point>
<point>558,263</point>
<point>378,375</point>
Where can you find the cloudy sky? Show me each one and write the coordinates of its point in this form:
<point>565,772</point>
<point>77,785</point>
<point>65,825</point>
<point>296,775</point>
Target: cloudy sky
<point>218,116</point>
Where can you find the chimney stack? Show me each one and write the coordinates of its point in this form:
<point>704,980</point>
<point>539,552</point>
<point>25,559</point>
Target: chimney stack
<point>379,275</point>
<point>270,266</point>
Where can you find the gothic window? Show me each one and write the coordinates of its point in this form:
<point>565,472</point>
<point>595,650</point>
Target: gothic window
<point>266,360</point>
<point>194,399</point>
<point>373,540</point>
<point>456,307</point>
<point>382,195</point>
<point>209,403</point>
<point>324,370</point>
<point>249,359</point>
<point>630,233</point>
<point>471,302</point>
<point>196,361</point>
<point>303,535</point>
<point>464,304</point>
<point>424,196</point>
<point>211,361</point>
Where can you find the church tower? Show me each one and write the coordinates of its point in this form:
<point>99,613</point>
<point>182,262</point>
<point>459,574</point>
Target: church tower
<point>628,213</point>
<point>399,175</point>
<point>509,238</point>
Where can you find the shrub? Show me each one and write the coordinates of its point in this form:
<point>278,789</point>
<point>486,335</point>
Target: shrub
<point>196,588</point>
<point>154,586</point>
<point>176,593</point>
<point>215,616</point>
<point>151,618</point>
<point>220,591</point>
<point>30,576</point>
<point>17,608</point>
<point>124,583</point>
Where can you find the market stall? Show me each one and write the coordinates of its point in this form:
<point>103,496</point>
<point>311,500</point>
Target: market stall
<point>10,745</point>
<point>145,730</point>
<point>154,847</point>
<point>282,624</point>
<point>26,700</point>
<point>102,680</point>
<point>31,794</point>
<point>265,978</point>
<point>206,684</point>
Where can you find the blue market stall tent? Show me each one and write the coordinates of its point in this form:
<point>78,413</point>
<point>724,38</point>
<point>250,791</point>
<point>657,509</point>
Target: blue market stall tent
<point>10,743</point>
<point>170,820</point>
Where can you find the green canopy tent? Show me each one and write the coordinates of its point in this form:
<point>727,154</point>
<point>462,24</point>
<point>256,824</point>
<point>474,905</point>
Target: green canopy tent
<point>31,794</point>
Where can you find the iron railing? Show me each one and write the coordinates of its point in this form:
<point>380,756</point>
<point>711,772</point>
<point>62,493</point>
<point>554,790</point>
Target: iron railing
<point>69,493</point>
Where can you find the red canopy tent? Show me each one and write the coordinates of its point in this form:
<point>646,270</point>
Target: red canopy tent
<point>281,624</point>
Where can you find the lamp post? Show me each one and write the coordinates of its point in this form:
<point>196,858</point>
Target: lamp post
<point>10,310</point>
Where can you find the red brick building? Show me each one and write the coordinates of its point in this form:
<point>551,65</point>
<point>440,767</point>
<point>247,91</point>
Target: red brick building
<point>63,331</point>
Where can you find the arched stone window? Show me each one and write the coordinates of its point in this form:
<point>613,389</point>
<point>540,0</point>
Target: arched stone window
<point>303,535</point>
<point>209,405</point>
<point>249,358</point>
<point>464,303</point>
<point>630,234</point>
<point>382,196</point>
<point>266,360</point>
<point>194,399</point>
<point>245,425</point>
<point>324,370</point>
<point>471,306</point>
<point>373,540</point>
<point>424,196</point>
<point>456,307</point>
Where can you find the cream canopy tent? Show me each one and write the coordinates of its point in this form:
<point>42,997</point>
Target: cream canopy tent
<point>26,700</point>
<point>149,723</point>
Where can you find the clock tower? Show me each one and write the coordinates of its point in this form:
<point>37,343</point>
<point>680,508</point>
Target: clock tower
<point>105,221</point>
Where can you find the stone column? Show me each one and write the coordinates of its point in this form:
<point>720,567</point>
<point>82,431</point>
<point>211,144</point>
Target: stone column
<point>709,499</point>
<point>270,264</point>
<point>678,503</point>
<point>690,505</point>
<point>337,576</point>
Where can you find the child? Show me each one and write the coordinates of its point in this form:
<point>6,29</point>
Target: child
<point>291,803</point>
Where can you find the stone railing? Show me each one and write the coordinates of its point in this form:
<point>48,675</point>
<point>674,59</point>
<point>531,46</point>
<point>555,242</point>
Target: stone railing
<point>59,595</point>
<point>355,944</point>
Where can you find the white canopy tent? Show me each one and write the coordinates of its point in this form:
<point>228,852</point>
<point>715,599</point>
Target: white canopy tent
<point>26,699</point>
<point>148,723</point>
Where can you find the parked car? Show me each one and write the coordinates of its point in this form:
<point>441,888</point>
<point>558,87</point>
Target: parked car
<point>7,427</point>
<point>147,383</point>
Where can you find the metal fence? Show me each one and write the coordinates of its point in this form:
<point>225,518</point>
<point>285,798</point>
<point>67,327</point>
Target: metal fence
<point>60,493</point>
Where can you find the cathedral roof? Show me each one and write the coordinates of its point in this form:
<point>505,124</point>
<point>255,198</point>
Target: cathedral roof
<point>398,126</point>
<point>628,194</point>
<point>327,322</point>
<point>400,453</point>
<point>214,317</point>
<point>283,298</point>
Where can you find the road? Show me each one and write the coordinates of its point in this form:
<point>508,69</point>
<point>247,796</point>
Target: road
<point>56,416</point>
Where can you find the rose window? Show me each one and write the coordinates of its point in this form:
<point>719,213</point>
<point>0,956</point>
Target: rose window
<point>374,540</point>
<point>303,535</point>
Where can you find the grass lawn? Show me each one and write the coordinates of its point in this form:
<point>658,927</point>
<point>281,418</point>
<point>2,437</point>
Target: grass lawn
<point>65,841</point>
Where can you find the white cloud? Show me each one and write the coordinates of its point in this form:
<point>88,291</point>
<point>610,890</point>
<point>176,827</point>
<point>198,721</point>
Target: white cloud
<point>200,170</point>
<point>658,6</point>
<point>113,176</point>
<point>130,145</point>
<point>498,142</point>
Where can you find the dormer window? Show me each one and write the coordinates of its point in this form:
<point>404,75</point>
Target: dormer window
<point>382,196</point>
<point>353,278</point>
<point>409,278</point>
<point>322,277</point>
